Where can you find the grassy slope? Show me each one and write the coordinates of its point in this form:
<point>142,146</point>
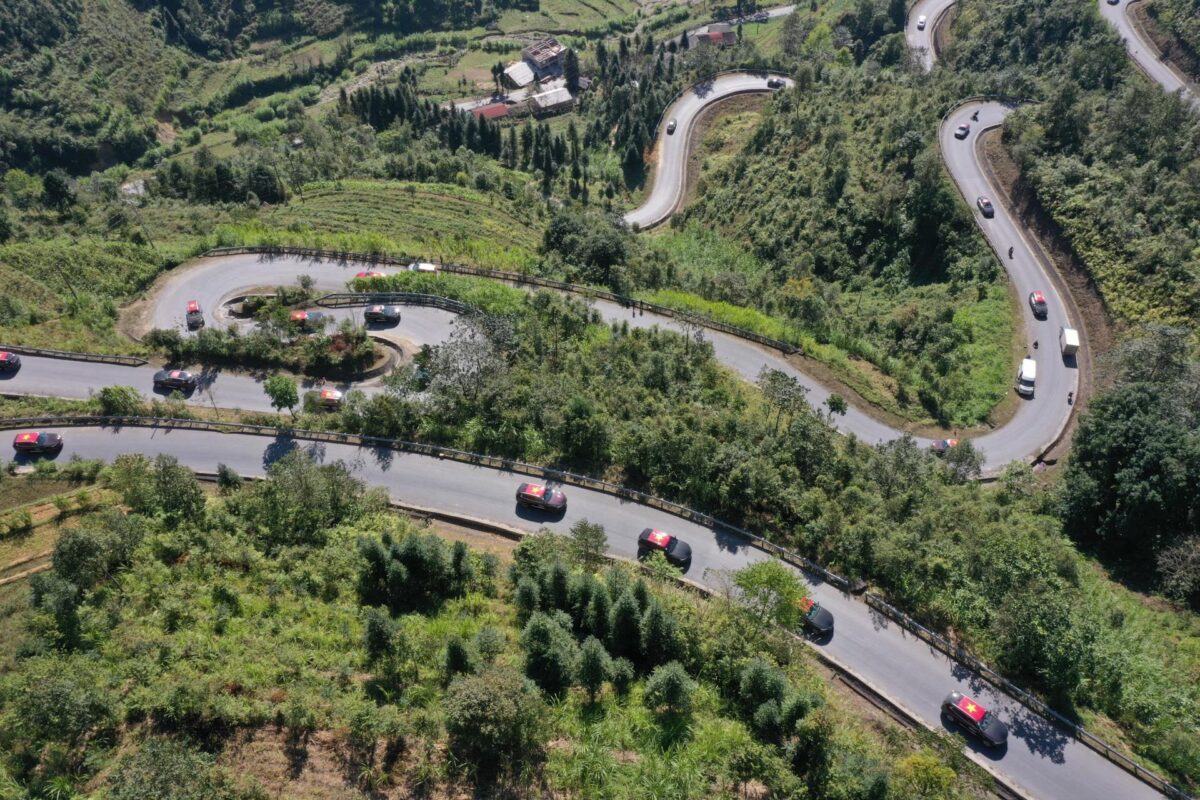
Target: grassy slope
<point>296,639</point>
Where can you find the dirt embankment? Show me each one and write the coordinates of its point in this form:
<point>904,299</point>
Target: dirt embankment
<point>1169,47</point>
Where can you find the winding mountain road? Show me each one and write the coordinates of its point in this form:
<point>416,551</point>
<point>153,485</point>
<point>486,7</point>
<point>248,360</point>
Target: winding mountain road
<point>1040,760</point>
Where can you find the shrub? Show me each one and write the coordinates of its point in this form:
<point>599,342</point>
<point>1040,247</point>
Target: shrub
<point>120,401</point>
<point>669,691</point>
<point>594,668</point>
<point>493,721</point>
<point>550,653</point>
<point>165,768</point>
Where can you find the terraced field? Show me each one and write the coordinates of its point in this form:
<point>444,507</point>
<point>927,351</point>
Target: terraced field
<point>439,221</point>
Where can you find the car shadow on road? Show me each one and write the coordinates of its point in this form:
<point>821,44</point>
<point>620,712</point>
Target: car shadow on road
<point>1041,736</point>
<point>537,515</point>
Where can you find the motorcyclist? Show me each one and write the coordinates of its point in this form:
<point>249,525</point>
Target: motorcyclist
<point>1010,252</point>
<point>975,116</point>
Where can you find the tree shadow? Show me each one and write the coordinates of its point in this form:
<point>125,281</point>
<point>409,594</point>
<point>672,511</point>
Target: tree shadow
<point>295,749</point>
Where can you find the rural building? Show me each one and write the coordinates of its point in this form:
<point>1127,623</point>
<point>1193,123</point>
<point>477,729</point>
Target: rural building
<point>551,102</point>
<point>718,34</point>
<point>545,56</point>
<point>492,111</point>
<point>518,75</point>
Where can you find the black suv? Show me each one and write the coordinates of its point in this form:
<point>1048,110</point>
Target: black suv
<point>678,552</point>
<point>174,379</point>
<point>977,720</point>
<point>382,313</point>
<point>536,495</point>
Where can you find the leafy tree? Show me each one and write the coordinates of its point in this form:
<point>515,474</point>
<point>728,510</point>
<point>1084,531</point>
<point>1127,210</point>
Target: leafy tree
<point>163,768</point>
<point>120,401</point>
<point>60,699</point>
<point>283,393</point>
<point>85,556</point>
<point>56,190</point>
<point>301,500</point>
<point>770,592</point>
<point>7,228</point>
<point>812,752</point>
<point>669,691</point>
<point>493,721</point>
<point>594,667</point>
<point>161,486</point>
<point>923,776</point>
<point>589,544</point>
<point>458,658</point>
<point>1043,636</point>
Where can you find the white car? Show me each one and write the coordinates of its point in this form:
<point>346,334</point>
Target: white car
<point>921,22</point>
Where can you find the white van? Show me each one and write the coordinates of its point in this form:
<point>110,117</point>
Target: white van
<point>1068,340</point>
<point>1026,376</point>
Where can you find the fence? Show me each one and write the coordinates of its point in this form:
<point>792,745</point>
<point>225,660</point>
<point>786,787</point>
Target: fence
<point>352,299</point>
<point>517,278</point>
<point>70,355</point>
<point>938,641</point>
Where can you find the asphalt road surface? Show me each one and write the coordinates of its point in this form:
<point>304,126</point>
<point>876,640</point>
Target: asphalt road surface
<point>672,150</point>
<point>1039,759</point>
<point>1143,52</point>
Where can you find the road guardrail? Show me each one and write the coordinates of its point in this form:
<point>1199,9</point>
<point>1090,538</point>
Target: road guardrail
<point>71,355</point>
<point>353,299</point>
<point>955,652</point>
<point>517,278</point>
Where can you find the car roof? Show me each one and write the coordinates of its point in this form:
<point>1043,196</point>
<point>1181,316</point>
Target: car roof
<point>327,392</point>
<point>657,537</point>
<point>971,708</point>
<point>27,436</point>
<point>5,355</point>
<point>533,489</point>
<point>193,305</point>
<point>1038,297</point>
<point>299,315</point>
<point>178,373</point>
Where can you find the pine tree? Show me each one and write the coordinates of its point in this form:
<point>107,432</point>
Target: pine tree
<point>595,665</point>
<point>625,628</point>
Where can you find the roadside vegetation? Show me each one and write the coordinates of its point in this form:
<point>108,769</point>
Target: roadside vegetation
<point>1112,159</point>
<point>291,637</point>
